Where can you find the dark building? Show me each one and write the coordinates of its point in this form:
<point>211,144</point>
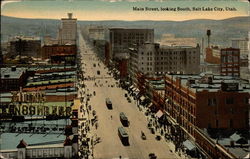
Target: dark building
<point>59,53</point>
<point>123,38</point>
<point>12,78</point>
<point>25,46</point>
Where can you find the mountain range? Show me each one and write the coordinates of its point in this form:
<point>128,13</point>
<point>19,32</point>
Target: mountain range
<point>222,30</point>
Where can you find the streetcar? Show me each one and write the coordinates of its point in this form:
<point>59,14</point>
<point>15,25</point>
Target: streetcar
<point>109,103</point>
<point>124,119</point>
<point>123,135</point>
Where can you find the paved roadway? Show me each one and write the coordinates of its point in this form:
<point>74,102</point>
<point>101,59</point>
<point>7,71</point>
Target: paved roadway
<point>110,145</point>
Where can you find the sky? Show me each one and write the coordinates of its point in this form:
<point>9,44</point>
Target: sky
<point>122,9</point>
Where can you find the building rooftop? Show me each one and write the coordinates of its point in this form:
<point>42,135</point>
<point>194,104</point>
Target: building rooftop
<point>50,67</point>
<point>12,72</point>
<point>27,38</point>
<point>212,83</point>
<point>131,29</point>
<point>230,141</point>
<point>53,135</point>
<point>50,82</point>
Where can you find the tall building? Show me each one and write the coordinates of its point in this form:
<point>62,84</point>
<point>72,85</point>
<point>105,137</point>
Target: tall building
<point>68,30</point>
<point>230,62</point>
<point>122,39</point>
<point>152,59</point>
<point>25,46</point>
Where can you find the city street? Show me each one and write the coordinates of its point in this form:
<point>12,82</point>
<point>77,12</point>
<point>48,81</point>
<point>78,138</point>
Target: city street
<point>105,127</point>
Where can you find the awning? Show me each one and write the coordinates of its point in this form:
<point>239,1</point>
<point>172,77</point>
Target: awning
<point>189,145</point>
<point>142,98</point>
<point>235,137</point>
<point>247,156</point>
<point>136,93</point>
<point>131,87</point>
<point>159,114</point>
<point>150,104</point>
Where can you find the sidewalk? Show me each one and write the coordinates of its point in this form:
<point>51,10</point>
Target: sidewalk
<point>143,109</point>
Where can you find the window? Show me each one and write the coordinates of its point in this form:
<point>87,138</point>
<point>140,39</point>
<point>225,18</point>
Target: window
<point>229,101</point>
<point>211,101</point>
<point>231,123</point>
<point>217,123</point>
<point>246,100</point>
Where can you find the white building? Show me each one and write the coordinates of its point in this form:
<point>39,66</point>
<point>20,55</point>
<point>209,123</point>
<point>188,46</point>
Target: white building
<point>155,60</point>
<point>242,44</point>
<point>68,31</point>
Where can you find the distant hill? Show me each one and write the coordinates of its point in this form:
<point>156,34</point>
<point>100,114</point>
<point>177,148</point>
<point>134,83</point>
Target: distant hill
<point>222,30</point>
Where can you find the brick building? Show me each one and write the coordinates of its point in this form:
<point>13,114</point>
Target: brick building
<point>213,55</point>
<point>208,101</point>
<point>53,50</point>
<point>227,58</point>
<point>230,62</point>
<point>200,102</point>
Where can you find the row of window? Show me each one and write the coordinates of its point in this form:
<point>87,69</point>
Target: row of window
<point>214,102</point>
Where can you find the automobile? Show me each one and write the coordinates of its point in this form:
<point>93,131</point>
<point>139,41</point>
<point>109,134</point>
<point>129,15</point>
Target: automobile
<point>152,156</point>
<point>158,137</point>
<point>129,100</point>
<point>152,130</point>
<point>143,136</point>
<point>149,125</point>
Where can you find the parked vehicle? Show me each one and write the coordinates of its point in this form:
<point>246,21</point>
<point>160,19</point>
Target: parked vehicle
<point>158,137</point>
<point>143,136</point>
<point>109,103</point>
<point>152,156</point>
<point>129,100</point>
<point>152,130</point>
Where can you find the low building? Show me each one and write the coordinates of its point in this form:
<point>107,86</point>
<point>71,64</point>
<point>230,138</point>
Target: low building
<point>55,50</point>
<point>213,55</point>
<point>12,78</point>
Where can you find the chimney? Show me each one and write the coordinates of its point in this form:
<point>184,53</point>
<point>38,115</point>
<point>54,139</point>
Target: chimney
<point>208,37</point>
<point>13,68</point>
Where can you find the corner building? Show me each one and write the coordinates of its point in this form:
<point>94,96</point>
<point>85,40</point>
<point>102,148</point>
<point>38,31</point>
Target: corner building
<point>207,101</point>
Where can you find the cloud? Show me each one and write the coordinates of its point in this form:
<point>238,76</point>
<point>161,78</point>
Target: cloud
<point>8,1</point>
